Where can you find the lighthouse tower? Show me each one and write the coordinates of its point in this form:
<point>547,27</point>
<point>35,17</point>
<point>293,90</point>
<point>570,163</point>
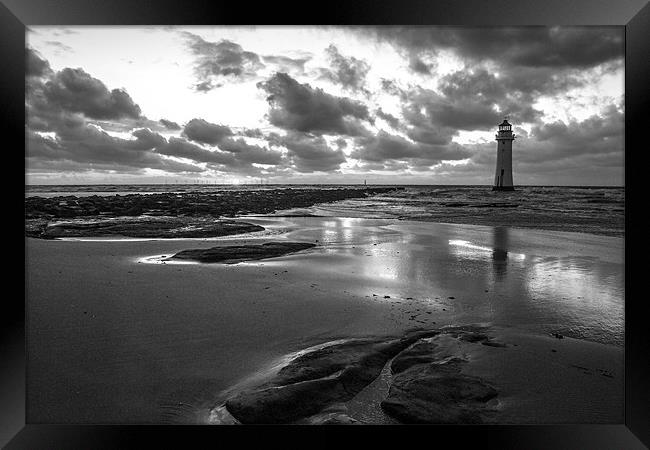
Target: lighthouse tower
<point>503,175</point>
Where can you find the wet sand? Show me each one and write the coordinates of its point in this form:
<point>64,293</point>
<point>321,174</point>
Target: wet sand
<point>115,336</point>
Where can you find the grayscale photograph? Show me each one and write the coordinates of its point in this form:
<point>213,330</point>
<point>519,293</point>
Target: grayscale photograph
<point>315,225</point>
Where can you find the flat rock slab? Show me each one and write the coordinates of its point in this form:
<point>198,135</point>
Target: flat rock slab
<point>238,253</point>
<point>145,227</point>
<point>318,380</point>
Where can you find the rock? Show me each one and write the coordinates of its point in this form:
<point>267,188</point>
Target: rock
<point>317,380</point>
<point>420,353</point>
<point>158,227</point>
<point>335,415</point>
<point>213,204</point>
<point>494,344</point>
<point>237,253</point>
<point>474,337</point>
<point>428,389</point>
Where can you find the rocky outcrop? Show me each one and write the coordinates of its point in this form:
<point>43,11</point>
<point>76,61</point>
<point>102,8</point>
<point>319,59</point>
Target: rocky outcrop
<point>154,227</point>
<point>237,253</point>
<point>222,203</point>
<point>317,380</point>
<point>427,384</point>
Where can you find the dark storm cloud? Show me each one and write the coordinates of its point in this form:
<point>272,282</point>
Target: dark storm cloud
<point>232,155</point>
<point>77,140</point>
<point>182,148</point>
<point>389,118</point>
<point>64,103</point>
<point>248,153</point>
<point>427,112</point>
<point>390,87</point>
<point>220,62</point>
<point>78,109</point>
<point>41,146</point>
<point>253,133</point>
<point>559,47</point>
<point>170,125</point>
<point>468,101</point>
<point>310,153</point>
<point>385,147</point>
<point>349,72</point>
<point>531,62</point>
<point>87,144</point>
<point>208,133</point>
<point>299,107</point>
<point>76,91</point>
<point>35,65</point>
<point>594,135</point>
<point>419,66</point>
<point>146,139</point>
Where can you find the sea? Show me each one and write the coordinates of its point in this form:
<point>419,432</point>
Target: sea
<point>583,209</point>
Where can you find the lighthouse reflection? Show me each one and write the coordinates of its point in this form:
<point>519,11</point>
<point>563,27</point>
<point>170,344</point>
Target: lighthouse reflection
<point>500,252</point>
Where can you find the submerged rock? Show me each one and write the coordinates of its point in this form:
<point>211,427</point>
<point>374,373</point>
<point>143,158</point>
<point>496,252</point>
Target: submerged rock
<point>237,253</point>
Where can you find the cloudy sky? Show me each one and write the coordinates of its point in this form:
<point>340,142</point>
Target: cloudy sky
<point>405,105</point>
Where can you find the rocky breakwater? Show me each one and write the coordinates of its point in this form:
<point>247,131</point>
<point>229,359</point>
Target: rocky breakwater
<point>219,203</point>
<point>170,215</point>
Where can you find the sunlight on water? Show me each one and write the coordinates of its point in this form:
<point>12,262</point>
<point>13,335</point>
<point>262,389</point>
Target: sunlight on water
<point>467,249</point>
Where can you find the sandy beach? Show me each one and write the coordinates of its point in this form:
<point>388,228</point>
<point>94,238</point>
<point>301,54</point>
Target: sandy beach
<point>147,342</point>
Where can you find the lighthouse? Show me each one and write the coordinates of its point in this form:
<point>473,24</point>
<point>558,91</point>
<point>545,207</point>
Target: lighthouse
<point>503,174</point>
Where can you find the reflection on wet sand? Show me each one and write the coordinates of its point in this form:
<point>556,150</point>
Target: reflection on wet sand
<point>500,252</point>
<point>498,274</point>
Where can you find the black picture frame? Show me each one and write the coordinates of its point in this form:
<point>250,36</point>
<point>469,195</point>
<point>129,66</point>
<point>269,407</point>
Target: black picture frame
<point>634,15</point>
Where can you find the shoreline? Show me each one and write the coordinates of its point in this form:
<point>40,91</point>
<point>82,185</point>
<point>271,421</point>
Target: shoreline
<point>180,334</point>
